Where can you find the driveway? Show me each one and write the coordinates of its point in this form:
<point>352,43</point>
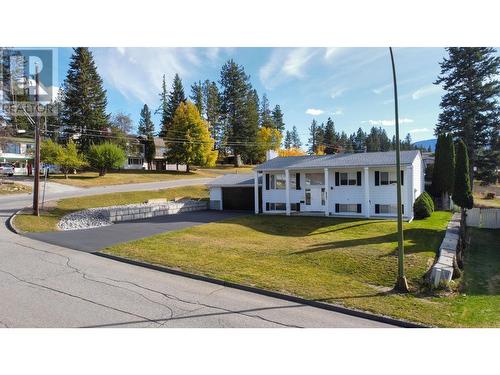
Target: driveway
<point>91,240</point>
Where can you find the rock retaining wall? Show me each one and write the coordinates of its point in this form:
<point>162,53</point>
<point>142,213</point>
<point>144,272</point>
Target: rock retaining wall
<point>124,213</point>
<point>442,270</point>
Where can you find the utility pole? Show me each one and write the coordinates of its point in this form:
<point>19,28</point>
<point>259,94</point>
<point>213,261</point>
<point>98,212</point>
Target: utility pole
<point>36,187</point>
<point>401,283</point>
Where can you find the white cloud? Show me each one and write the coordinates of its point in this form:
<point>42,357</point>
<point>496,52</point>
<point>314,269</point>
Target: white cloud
<point>330,52</point>
<point>314,111</point>
<point>419,130</point>
<point>285,64</point>
<point>388,122</point>
<point>381,89</point>
<point>338,112</point>
<point>336,92</point>
<point>425,91</point>
<point>137,72</point>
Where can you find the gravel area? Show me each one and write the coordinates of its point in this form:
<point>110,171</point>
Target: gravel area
<point>91,218</point>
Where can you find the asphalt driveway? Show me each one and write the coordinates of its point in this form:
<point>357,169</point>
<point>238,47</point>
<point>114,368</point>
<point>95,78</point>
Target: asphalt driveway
<point>92,240</point>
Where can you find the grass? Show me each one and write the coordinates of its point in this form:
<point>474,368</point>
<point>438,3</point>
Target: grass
<point>48,219</point>
<point>346,261</point>
<point>13,188</point>
<point>480,192</point>
<point>90,179</point>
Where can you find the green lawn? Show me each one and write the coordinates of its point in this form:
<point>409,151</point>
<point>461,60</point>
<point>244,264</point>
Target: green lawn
<point>480,193</point>
<point>346,261</point>
<point>49,218</point>
<point>89,179</point>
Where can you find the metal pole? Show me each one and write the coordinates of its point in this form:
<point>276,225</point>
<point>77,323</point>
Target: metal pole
<point>401,284</point>
<point>36,188</point>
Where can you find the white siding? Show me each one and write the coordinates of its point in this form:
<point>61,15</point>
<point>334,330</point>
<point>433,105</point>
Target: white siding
<point>386,194</point>
<point>216,198</point>
<point>350,194</point>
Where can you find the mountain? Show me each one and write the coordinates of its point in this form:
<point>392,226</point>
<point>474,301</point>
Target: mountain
<point>427,143</point>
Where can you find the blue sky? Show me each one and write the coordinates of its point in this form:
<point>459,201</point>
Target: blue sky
<point>352,85</point>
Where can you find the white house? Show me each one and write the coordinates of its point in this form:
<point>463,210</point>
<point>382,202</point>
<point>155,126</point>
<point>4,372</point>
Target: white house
<point>355,185</point>
<point>18,152</point>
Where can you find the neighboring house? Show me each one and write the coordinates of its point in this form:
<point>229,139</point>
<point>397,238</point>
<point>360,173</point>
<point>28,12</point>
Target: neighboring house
<point>135,154</point>
<point>358,185</point>
<point>19,152</point>
<point>160,161</point>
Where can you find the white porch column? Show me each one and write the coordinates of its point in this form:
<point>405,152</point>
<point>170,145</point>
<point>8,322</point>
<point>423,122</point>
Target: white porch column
<point>256,191</point>
<point>327,190</point>
<point>366,185</point>
<point>287,187</point>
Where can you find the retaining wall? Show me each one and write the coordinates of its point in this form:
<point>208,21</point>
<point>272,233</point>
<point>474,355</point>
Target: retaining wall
<point>117,214</point>
<point>442,270</point>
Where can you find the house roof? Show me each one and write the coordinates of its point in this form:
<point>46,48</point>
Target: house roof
<point>240,179</point>
<point>364,159</point>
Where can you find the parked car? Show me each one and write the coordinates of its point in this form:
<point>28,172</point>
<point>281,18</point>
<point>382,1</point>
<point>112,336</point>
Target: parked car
<point>6,169</point>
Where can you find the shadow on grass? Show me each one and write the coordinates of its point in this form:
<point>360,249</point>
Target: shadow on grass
<point>420,240</point>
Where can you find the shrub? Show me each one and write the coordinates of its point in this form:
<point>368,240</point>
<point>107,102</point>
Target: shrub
<point>429,199</point>
<point>106,156</point>
<point>423,206</point>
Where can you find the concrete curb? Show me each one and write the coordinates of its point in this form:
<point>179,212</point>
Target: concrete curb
<point>11,226</point>
<point>269,293</point>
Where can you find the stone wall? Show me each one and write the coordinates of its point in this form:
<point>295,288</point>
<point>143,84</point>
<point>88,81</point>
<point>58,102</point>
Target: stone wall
<point>127,213</point>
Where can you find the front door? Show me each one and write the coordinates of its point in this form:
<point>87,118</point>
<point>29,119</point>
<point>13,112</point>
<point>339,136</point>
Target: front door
<point>315,199</point>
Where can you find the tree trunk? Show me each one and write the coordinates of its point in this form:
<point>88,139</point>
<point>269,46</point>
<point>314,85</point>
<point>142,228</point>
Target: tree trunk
<point>445,201</point>
<point>102,172</point>
<point>177,167</point>
<point>187,168</point>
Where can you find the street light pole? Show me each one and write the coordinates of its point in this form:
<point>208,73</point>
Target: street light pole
<point>36,187</point>
<point>401,283</point>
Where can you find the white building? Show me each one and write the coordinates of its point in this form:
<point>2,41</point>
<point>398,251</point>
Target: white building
<point>19,152</point>
<point>354,185</point>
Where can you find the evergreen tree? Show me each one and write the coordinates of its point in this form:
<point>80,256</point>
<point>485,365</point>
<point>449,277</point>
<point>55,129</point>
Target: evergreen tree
<point>385,143</point>
<point>146,126</point>
<point>444,166</point>
<point>277,119</point>
<point>250,131</point>
<point>359,140</point>
<point>313,137</point>
<point>470,109</point>
<point>175,98</point>
<point>296,142</point>
<point>266,119</point>
<point>84,102</point>
<point>197,96</point>
<point>288,140</point>
<point>462,193</point>
<point>330,137</point>
<point>487,163</point>
<point>163,108</point>
<point>406,144</point>
<point>235,86</point>
<point>212,105</point>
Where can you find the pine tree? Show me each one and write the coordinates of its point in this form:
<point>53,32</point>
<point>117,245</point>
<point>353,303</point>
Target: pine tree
<point>266,119</point>
<point>197,96</point>
<point>212,105</point>
<point>287,143</point>
<point>330,137</point>
<point>385,143</point>
<point>277,119</point>
<point>470,109</point>
<point>163,109</point>
<point>235,87</point>
<point>84,102</point>
<point>359,140</point>
<point>146,125</point>
<point>296,142</point>
<point>316,135</point>
<point>251,153</point>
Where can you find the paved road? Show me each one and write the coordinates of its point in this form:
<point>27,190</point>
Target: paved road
<point>43,285</point>
<point>91,240</point>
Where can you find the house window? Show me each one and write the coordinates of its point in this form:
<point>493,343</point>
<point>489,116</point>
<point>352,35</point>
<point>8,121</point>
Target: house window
<point>275,206</point>
<point>315,179</point>
<point>135,161</point>
<point>384,178</point>
<point>323,196</point>
<point>308,197</point>
<point>348,179</point>
<point>278,181</point>
<point>387,209</point>
<point>348,208</point>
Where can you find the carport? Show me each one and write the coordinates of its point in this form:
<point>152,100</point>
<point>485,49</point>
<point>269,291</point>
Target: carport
<point>234,192</point>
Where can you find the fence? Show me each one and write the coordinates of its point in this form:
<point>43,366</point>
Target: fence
<point>484,218</point>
